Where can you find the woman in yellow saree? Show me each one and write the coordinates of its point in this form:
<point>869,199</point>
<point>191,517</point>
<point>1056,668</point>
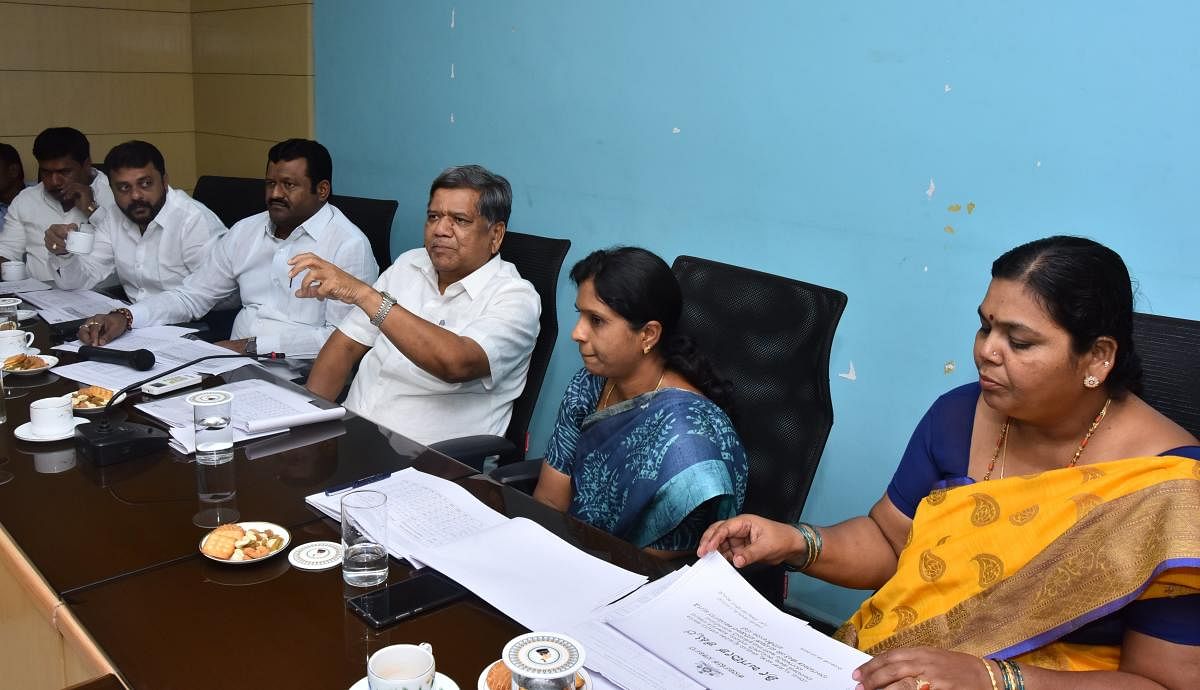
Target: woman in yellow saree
<point>1043,522</point>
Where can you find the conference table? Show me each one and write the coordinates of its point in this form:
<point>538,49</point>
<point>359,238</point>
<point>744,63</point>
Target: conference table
<point>103,584</point>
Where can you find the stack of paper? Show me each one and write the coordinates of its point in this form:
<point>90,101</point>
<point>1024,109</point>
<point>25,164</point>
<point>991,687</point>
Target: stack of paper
<point>700,627</point>
<point>170,350</point>
<point>59,306</point>
<point>260,408</point>
<point>11,287</point>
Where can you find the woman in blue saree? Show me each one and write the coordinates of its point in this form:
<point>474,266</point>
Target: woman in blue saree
<point>642,447</point>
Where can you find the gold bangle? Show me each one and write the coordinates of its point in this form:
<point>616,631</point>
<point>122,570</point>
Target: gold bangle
<point>991,676</point>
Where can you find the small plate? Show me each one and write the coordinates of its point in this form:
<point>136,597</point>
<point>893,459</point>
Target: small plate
<point>440,682</point>
<point>26,314</point>
<point>262,527</point>
<point>481,684</point>
<point>51,361</point>
<point>97,410</point>
<point>25,432</point>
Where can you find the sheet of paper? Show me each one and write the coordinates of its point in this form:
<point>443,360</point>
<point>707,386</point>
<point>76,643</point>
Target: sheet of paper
<point>423,511</point>
<point>258,407</point>
<point>58,306</point>
<point>169,352</point>
<point>624,662</point>
<point>136,335</point>
<point>183,438</point>
<point>11,287</point>
<point>532,575</point>
<point>714,627</point>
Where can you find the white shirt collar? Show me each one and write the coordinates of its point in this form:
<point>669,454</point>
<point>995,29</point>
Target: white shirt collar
<point>472,284</point>
<point>314,226</point>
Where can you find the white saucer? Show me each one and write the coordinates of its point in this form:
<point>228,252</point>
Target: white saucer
<point>51,361</point>
<point>440,682</point>
<point>25,432</point>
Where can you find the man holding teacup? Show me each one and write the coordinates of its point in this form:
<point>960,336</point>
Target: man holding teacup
<point>69,192</point>
<point>161,235</point>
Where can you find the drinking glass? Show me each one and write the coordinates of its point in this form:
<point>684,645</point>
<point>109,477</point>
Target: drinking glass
<point>3,412</point>
<point>8,313</point>
<point>216,493</point>
<point>364,538</point>
<point>214,434</point>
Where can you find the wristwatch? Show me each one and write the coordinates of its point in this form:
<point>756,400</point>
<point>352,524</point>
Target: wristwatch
<point>251,346</point>
<point>384,307</point>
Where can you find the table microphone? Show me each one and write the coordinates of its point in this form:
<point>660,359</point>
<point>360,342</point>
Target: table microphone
<point>105,443</point>
<point>142,360</point>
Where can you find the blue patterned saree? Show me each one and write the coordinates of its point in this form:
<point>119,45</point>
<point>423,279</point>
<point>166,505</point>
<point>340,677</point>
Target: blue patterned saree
<point>655,470</point>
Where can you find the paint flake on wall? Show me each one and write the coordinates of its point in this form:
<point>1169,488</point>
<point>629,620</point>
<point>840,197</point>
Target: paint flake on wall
<point>932,188</point>
<point>850,375</point>
<point>452,10</point>
<point>451,118</point>
<point>949,367</point>
<point>946,89</point>
<point>451,70</point>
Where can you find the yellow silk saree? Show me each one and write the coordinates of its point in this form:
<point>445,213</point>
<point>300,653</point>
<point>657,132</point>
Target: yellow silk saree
<point>1005,568</point>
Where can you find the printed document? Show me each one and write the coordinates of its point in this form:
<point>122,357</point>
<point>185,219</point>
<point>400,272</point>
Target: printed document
<point>12,287</point>
<point>60,306</point>
<point>169,352</point>
<point>711,625</point>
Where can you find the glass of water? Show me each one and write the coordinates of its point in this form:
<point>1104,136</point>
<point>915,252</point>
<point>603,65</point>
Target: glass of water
<point>214,435</point>
<point>364,538</point>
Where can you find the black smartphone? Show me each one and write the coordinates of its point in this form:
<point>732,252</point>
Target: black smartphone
<point>426,590</point>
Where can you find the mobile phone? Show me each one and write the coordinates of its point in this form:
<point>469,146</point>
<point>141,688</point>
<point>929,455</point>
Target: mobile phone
<point>426,590</point>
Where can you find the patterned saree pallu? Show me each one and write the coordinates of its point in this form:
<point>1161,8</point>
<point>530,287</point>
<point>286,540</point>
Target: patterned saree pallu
<point>1005,568</point>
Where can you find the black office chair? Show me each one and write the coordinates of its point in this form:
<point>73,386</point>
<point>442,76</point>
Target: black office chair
<point>374,218</point>
<point>539,260</point>
<point>1169,348</point>
<point>231,198</point>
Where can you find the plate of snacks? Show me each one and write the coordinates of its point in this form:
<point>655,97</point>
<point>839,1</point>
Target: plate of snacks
<point>27,365</point>
<point>244,542</point>
<point>92,399</point>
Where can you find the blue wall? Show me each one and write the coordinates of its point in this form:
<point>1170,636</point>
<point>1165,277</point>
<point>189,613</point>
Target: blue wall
<point>800,139</point>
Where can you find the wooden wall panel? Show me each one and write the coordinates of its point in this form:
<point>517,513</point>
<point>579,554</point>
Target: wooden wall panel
<point>84,39</point>
<point>97,102</point>
<point>253,106</point>
<point>221,5</point>
<point>224,155</point>
<point>183,6</point>
<point>264,40</point>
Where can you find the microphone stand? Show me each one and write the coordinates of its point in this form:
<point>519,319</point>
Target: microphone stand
<point>105,443</point>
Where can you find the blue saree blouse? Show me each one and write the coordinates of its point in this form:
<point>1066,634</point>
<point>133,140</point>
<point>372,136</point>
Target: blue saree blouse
<point>655,470</point>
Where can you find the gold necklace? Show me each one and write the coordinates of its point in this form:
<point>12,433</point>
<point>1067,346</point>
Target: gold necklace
<point>1002,442</point>
<point>608,393</point>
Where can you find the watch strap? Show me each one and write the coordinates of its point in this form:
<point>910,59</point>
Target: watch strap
<point>385,306</point>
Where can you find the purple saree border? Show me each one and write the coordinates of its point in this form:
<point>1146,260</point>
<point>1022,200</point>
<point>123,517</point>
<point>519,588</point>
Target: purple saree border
<point>1057,632</point>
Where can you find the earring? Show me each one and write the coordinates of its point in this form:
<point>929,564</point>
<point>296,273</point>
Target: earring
<point>995,353</point>
<point>1091,381</point>
<point>646,350</point>
<point>1106,364</point>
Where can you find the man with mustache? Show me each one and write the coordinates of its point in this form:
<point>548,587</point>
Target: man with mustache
<point>160,237</point>
<point>251,261</point>
<point>443,338</point>
<point>69,192</point>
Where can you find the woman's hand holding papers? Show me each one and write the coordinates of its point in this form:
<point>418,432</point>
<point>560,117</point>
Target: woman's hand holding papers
<point>929,667</point>
<point>747,539</point>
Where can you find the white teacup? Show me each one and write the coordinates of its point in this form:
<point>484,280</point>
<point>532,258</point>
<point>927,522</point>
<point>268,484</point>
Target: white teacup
<point>80,241</point>
<point>402,667</point>
<point>13,270</point>
<point>51,416</point>
<point>14,342</point>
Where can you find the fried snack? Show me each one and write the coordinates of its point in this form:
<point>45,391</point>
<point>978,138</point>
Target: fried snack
<point>90,397</point>
<point>243,544</point>
<point>500,678</point>
<point>23,362</point>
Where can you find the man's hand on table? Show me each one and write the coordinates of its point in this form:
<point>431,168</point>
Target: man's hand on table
<point>102,329</point>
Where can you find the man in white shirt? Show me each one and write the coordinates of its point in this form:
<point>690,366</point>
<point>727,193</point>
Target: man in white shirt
<point>68,193</point>
<point>160,236</point>
<point>444,336</point>
<point>12,178</point>
<point>251,260</point>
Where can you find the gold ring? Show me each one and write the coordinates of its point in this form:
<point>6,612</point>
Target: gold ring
<point>923,684</point>
<point>92,323</point>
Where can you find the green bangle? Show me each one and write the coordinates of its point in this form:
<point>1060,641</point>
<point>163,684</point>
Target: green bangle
<point>812,543</point>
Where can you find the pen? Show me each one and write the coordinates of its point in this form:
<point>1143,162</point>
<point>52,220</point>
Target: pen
<point>357,483</point>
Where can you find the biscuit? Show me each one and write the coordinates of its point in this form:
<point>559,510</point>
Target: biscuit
<point>219,544</point>
<point>499,677</point>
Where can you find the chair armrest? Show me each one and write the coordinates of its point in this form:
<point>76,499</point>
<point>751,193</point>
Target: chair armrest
<point>522,475</point>
<point>473,450</point>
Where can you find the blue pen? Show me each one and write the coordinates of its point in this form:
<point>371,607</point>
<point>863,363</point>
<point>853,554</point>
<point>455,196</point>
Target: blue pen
<point>357,483</point>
